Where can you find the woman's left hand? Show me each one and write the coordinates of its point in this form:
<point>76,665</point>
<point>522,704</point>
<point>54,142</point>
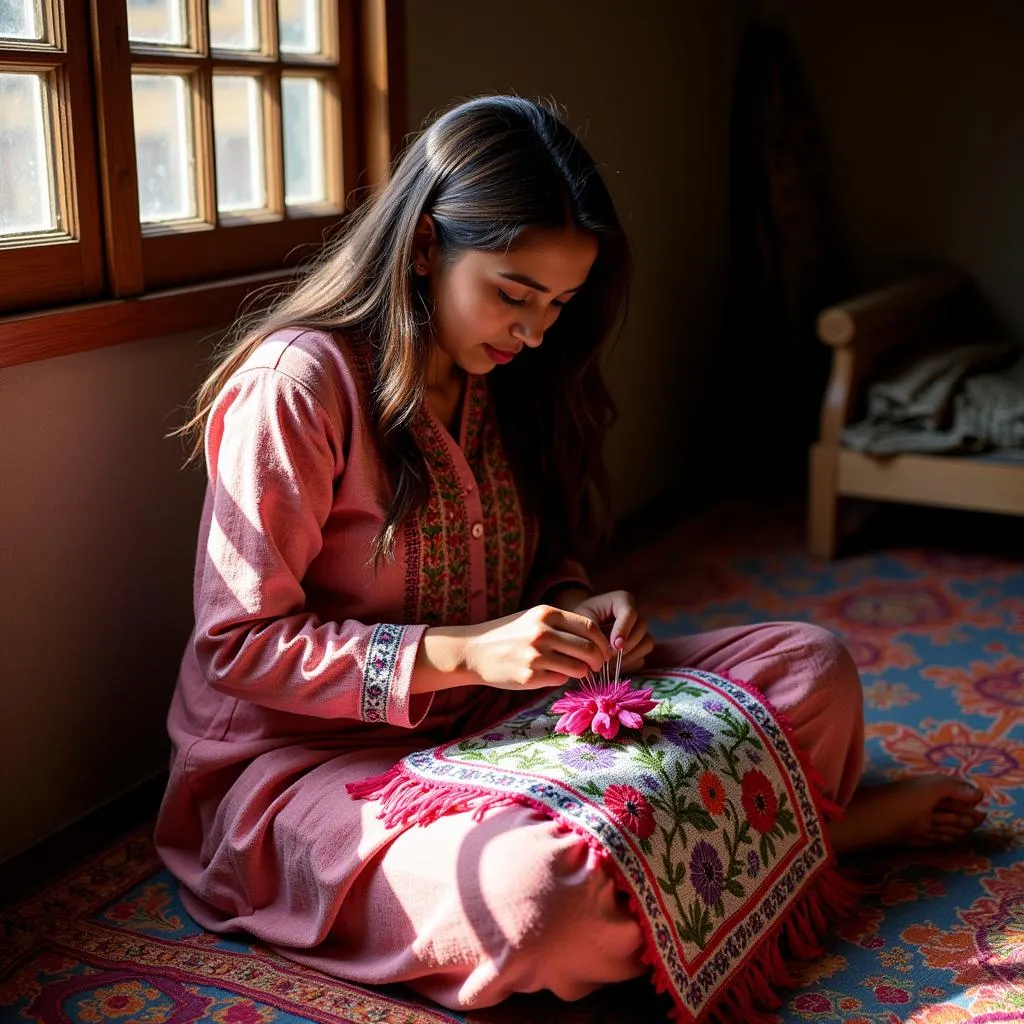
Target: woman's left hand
<point>618,607</point>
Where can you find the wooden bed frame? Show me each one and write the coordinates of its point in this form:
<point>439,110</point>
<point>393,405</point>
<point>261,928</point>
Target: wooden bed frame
<point>860,333</point>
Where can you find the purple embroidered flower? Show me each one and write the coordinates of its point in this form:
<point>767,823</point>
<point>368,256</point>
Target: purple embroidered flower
<point>692,738</point>
<point>716,707</point>
<point>753,864</point>
<point>586,757</point>
<point>374,691</point>
<point>385,638</point>
<point>494,735</point>
<point>706,873</point>
<point>648,781</point>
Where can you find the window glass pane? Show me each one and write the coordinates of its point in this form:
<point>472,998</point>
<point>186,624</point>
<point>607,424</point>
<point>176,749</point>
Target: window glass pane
<point>21,19</point>
<point>302,110</point>
<point>157,21</point>
<point>163,147</point>
<point>234,25</point>
<point>238,139</point>
<point>26,177</point>
<point>299,25</point>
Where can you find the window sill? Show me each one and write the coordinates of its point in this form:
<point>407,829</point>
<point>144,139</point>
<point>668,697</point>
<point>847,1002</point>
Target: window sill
<point>47,333</point>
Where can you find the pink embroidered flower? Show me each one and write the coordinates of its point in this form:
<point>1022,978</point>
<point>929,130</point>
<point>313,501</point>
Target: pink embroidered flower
<point>891,994</point>
<point>122,911</point>
<point>602,707</point>
<point>629,806</point>
<point>812,1002</point>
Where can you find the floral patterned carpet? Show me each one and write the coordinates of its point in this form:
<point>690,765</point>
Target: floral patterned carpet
<point>937,628</point>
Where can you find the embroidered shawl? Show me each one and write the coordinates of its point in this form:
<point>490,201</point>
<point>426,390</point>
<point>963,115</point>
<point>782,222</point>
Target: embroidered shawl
<point>709,818</point>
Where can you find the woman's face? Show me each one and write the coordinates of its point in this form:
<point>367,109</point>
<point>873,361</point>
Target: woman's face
<point>489,305</point>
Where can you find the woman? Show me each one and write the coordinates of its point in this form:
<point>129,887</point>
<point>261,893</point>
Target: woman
<point>401,476</point>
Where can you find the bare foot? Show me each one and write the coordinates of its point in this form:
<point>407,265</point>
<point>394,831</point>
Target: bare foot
<point>928,810</point>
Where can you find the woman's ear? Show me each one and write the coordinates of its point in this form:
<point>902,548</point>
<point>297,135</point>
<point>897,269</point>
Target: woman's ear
<point>424,245</point>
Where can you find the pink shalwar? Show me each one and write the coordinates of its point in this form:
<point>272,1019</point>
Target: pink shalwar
<point>296,681</point>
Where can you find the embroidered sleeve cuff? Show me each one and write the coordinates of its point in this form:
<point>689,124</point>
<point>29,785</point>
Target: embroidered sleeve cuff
<point>387,677</point>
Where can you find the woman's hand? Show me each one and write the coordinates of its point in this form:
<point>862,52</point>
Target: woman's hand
<point>618,609</point>
<point>542,646</point>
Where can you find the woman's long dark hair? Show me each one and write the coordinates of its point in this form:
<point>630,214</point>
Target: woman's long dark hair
<point>485,171</point>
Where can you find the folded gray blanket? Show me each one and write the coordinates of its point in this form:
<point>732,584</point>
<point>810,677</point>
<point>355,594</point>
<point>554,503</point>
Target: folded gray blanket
<point>964,399</point>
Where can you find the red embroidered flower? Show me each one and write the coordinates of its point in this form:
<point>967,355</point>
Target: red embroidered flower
<point>122,911</point>
<point>759,800</point>
<point>241,1013</point>
<point>891,994</point>
<point>812,1002</point>
<point>629,806</point>
<point>712,793</point>
<point>602,708</point>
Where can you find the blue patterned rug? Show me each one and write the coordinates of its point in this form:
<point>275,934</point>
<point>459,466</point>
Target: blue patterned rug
<point>938,634</point>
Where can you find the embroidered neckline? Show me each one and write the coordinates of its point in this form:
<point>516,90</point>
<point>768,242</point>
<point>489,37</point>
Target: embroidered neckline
<point>437,537</point>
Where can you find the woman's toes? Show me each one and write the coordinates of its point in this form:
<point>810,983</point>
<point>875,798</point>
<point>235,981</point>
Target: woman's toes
<point>934,837</point>
<point>966,812</point>
<point>964,793</point>
<point>952,821</point>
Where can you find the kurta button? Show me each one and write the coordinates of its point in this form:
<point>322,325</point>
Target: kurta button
<point>477,529</point>
<point>469,486</point>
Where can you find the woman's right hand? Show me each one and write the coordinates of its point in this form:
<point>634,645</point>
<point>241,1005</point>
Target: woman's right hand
<point>542,646</point>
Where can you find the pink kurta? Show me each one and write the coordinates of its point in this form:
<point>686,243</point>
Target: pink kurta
<point>296,681</point>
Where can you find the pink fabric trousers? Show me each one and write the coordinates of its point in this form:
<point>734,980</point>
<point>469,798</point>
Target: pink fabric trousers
<point>468,913</point>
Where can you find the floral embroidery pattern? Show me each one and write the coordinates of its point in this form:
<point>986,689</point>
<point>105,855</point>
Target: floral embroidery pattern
<point>990,758</point>
<point>437,537</point>
<point>880,654</point>
<point>989,943</point>
<point>630,807</point>
<point>440,594</point>
<point>148,912</point>
<point>378,671</point>
<point>504,529</point>
<point>120,1001</point>
<point>883,695</point>
<point>986,688</point>
<point>759,801</point>
<point>712,793</point>
<point>883,607</point>
<point>584,757</point>
<point>714,851</point>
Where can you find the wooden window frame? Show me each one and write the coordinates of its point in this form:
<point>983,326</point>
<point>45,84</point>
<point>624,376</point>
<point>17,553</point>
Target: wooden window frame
<point>55,267</point>
<point>144,304</point>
